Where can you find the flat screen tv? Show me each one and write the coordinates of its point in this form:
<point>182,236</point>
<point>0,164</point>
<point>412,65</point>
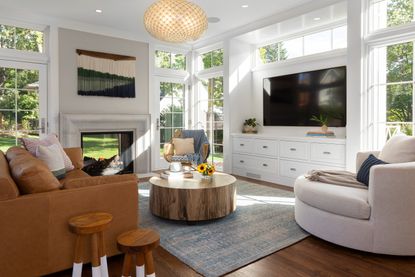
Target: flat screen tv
<point>292,100</point>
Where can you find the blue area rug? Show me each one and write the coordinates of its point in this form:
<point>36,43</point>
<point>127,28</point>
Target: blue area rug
<point>263,223</point>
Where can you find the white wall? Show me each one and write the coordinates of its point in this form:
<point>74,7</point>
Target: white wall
<point>289,67</point>
<point>71,102</point>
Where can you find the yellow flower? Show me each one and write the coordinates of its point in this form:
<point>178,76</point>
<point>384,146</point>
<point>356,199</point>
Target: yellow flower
<point>201,168</point>
<point>211,171</point>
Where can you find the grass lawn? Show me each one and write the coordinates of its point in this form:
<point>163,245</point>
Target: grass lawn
<point>6,142</point>
<point>99,146</point>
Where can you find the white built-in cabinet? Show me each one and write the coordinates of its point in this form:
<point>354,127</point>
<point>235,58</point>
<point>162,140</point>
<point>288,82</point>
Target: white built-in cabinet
<point>282,159</point>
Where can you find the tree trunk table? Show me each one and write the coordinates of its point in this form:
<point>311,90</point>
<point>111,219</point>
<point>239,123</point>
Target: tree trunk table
<point>193,199</point>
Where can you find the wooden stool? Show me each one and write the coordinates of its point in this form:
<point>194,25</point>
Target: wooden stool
<point>91,224</point>
<point>138,244</point>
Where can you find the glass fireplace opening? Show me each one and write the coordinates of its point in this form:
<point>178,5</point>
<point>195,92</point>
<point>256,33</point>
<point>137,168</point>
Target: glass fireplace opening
<point>107,153</point>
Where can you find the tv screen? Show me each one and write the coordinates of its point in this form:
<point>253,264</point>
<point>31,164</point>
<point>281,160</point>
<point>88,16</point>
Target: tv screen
<point>292,100</point>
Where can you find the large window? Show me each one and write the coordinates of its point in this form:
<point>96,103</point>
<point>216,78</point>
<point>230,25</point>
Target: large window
<point>172,110</point>
<point>391,91</point>
<point>390,13</point>
<point>314,43</point>
<point>210,116</point>
<point>12,37</point>
<point>170,60</point>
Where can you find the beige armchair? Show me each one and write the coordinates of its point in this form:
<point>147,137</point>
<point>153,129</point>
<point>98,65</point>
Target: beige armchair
<point>168,150</point>
<point>379,219</point>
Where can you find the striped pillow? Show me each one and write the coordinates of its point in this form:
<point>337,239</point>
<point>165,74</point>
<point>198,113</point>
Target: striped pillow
<point>52,157</point>
<point>31,145</point>
<point>364,171</point>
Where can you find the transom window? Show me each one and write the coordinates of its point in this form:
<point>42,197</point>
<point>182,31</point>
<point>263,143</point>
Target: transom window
<point>211,59</point>
<point>390,13</point>
<point>170,60</point>
<point>12,37</point>
<point>318,42</point>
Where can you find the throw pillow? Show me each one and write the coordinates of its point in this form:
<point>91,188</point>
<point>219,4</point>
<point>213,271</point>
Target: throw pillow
<point>399,149</point>
<point>183,146</point>
<point>364,171</point>
<point>31,145</point>
<point>52,157</point>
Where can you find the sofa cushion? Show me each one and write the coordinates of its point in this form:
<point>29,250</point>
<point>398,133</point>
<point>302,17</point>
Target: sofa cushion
<point>52,157</point>
<point>364,171</point>
<point>76,156</point>
<point>74,174</point>
<point>31,145</point>
<point>399,149</point>
<point>345,201</point>
<point>8,188</point>
<point>99,180</point>
<point>183,146</point>
<point>30,174</point>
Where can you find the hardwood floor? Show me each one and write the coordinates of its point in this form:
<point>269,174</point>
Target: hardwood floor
<point>309,257</point>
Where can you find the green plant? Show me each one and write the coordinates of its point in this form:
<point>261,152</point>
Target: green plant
<point>322,119</point>
<point>251,122</point>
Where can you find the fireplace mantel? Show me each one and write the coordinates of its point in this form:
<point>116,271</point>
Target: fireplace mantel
<point>71,126</point>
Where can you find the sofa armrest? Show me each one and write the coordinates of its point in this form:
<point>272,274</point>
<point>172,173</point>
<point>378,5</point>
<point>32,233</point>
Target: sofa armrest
<point>99,180</point>
<point>362,156</point>
<point>391,197</point>
<point>76,156</point>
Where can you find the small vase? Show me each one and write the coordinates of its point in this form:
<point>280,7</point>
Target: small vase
<point>206,178</point>
<point>324,128</point>
<point>249,129</point>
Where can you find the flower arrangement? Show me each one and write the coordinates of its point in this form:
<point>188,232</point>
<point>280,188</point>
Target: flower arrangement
<point>206,169</point>
<point>250,126</point>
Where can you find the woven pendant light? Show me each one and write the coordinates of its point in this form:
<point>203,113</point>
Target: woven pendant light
<point>175,21</point>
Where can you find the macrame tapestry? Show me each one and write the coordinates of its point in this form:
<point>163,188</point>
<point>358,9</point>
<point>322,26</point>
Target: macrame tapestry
<point>102,74</point>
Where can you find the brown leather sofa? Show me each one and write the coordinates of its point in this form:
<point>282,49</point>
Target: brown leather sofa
<point>34,235</point>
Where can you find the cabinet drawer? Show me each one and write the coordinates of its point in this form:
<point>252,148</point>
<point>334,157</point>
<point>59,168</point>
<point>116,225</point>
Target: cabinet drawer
<point>241,145</point>
<point>243,161</point>
<point>264,164</point>
<point>331,153</point>
<point>294,150</point>
<point>293,169</point>
<point>266,147</point>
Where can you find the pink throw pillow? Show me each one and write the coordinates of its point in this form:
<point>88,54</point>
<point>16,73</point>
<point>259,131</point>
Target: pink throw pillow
<point>31,145</point>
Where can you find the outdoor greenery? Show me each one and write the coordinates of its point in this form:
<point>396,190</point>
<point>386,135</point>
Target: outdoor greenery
<point>170,60</point>
<point>400,68</point>
<point>273,52</point>
<point>100,146</point>
<point>212,59</point>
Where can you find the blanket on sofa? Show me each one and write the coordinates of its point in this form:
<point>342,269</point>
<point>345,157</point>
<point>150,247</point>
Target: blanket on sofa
<point>335,177</point>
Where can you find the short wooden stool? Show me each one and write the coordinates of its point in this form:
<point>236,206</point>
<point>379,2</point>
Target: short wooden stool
<point>91,224</point>
<point>138,244</point>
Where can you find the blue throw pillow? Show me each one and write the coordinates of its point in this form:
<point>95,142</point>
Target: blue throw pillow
<point>364,171</point>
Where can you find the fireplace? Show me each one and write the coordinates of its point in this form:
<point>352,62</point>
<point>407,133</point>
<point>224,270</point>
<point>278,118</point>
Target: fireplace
<point>108,153</point>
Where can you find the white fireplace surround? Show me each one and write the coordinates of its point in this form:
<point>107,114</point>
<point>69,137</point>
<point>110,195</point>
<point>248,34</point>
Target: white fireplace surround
<point>71,126</point>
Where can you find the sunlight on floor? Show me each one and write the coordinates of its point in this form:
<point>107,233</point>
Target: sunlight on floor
<point>247,200</point>
<point>144,192</point>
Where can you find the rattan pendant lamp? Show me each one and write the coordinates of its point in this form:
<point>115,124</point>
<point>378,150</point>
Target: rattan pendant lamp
<point>175,21</point>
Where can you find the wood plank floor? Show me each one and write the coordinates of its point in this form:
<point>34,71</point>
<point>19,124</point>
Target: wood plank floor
<point>309,257</point>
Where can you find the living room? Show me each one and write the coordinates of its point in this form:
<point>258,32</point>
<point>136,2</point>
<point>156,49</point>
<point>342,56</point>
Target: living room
<point>207,138</point>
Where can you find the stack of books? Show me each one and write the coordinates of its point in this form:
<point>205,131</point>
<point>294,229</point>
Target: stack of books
<point>320,134</point>
<point>181,174</point>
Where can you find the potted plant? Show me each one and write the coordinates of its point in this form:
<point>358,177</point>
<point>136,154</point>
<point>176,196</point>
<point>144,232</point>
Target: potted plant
<point>250,126</point>
<point>323,120</point>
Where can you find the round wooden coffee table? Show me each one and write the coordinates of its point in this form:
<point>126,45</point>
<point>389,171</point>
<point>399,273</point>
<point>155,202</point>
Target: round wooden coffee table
<point>193,199</point>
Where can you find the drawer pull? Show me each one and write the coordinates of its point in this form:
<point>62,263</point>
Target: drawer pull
<point>241,161</point>
<point>242,144</point>
<point>293,149</point>
<point>293,169</point>
<point>264,165</point>
<point>265,147</point>
<point>326,153</point>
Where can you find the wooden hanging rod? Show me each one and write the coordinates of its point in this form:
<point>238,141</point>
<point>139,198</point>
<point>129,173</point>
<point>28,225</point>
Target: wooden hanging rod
<point>109,56</point>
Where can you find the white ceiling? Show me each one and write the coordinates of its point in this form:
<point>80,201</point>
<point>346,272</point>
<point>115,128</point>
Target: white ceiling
<point>127,15</point>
